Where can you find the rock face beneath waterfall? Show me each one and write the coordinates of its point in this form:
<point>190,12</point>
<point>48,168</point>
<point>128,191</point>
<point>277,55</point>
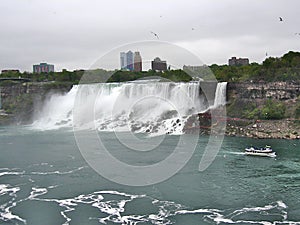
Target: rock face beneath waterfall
<point>18,100</point>
<point>213,121</point>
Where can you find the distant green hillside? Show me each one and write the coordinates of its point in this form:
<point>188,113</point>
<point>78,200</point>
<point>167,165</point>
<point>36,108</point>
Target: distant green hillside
<point>285,68</point>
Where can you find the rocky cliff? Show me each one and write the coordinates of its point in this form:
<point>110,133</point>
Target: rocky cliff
<point>18,99</point>
<point>264,110</point>
<point>262,90</point>
<point>247,96</point>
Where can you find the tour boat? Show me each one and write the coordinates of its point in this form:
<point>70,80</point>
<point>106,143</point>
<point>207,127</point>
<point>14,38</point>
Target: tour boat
<point>266,151</point>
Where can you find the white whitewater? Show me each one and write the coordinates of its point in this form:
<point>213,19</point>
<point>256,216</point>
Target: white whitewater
<point>220,95</point>
<point>152,107</point>
<point>56,111</point>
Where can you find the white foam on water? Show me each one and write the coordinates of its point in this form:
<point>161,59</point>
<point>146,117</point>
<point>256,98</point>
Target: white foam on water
<point>37,192</point>
<point>58,172</point>
<point>5,209</point>
<point>233,153</point>
<point>8,216</point>
<point>219,216</point>
<point>9,169</point>
<point>5,188</point>
<point>282,204</point>
<point>11,173</point>
<point>166,210</point>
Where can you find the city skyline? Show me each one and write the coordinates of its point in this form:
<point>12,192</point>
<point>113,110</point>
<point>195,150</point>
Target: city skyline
<point>73,36</point>
<point>131,61</point>
<point>45,67</point>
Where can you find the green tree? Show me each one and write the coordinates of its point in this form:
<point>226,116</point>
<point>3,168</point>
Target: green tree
<point>273,110</point>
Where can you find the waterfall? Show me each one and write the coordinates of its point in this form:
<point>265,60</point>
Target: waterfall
<point>220,95</point>
<point>152,107</point>
<point>56,112</point>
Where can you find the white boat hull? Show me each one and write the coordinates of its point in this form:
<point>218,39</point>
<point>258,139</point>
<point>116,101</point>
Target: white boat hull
<point>272,154</point>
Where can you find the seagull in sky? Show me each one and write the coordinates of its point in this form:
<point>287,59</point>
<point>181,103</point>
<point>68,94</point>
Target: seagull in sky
<point>154,34</point>
<point>280,19</point>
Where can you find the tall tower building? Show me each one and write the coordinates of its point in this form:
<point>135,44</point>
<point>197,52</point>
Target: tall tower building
<point>129,60</point>
<point>137,62</point>
<point>123,61</point>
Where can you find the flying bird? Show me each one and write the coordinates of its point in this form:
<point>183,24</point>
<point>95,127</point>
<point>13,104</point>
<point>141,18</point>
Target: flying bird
<point>154,34</point>
<point>193,28</point>
<point>297,33</point>
<point>280,19</point>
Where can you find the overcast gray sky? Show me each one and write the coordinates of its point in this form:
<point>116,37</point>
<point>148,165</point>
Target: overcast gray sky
<point>73,34</point>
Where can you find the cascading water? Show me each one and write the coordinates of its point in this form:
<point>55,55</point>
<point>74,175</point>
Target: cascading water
<point>220,95</point>
<point>152,107</point>
<point>56,112</point>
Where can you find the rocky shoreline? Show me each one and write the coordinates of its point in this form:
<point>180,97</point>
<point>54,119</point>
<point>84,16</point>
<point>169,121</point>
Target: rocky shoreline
<point>205,124</point>
<point>263,129</point>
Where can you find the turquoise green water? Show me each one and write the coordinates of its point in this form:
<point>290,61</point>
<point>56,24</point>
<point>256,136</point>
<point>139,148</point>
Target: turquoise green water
<point>45,180</point>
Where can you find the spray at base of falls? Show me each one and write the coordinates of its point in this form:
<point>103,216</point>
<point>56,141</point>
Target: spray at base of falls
<point>146,107</point>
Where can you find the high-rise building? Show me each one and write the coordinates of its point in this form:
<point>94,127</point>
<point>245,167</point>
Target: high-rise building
<point>137,62</point>
<point>123,61</point>
<point>129,60</point>
<point>158,65</point>
<point>43,68</point>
